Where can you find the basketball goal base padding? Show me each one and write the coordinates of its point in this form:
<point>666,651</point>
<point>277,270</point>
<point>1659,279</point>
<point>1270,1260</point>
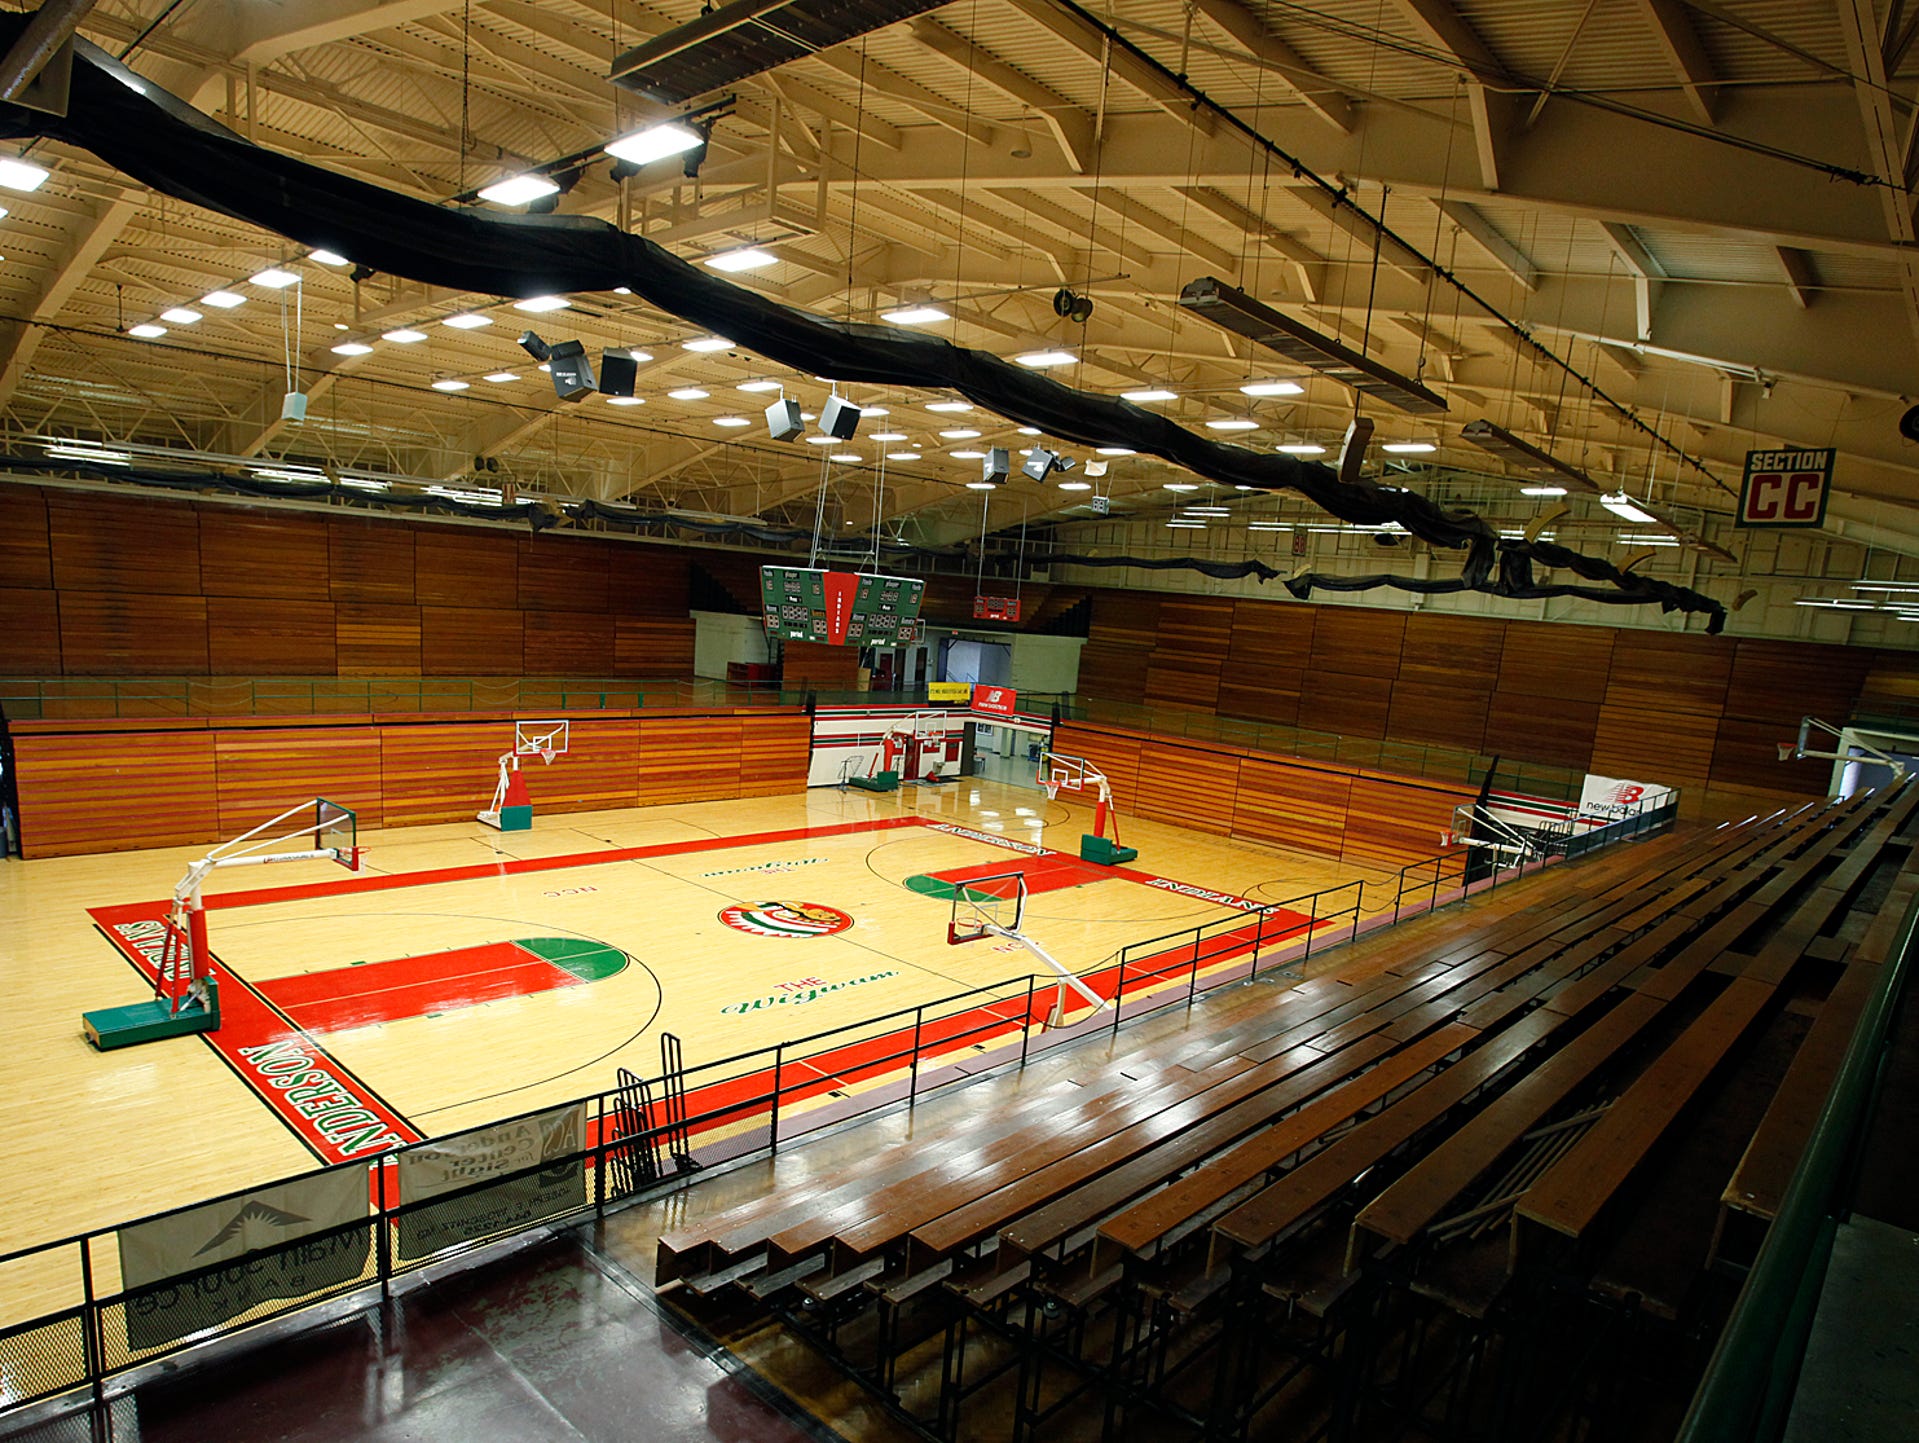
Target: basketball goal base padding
<point>1106,853</point>
<point>878,782</point>
<point>110,1027</point>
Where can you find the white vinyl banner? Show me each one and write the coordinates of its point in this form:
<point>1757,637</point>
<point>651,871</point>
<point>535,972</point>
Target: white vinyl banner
<point>171,1269</point>
<point>1612,797</point>
<point>542,1149</point>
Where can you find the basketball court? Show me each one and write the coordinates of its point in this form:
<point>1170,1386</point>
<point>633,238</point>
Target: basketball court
<point>465,974</point>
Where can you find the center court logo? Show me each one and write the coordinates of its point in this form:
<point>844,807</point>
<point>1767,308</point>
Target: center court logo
<point>786,919</point>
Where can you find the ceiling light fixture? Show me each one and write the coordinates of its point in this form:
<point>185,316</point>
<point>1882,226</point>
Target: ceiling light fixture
<point>1117,451</point>
<point>1040,360</point>
<point>888,436</point>
<point>746,258</point>
<point>687,393</point>
<point>352,348</point>
<point>538,304</point>
<point>273,278</point>
<point>147,331</point>
<point>1141,397</point>
<point>1542,490</point>
<point>731,421</point>
<point>222,300</point>
<point>707,343</point>
<point>1273,388</point>
<point>954,407</point>
<point>981,486</point>
<point>1076,485</point>
<point>180,316</point>
<point>915,316</point>
<point>625,401</point>
<point>500,378</point>
<point>449,384</point>
<point>17,174</point>
<point>1180,486</point>
<point>519,189</point>
<point>848,456</point>
<point>906,455</point>
<point>1233,423</point>
<point>328,258</point>
<point>467,321</point>
<point>1409,448</point>
<point>656,142</point>
<point>1621,505</point>
<point>1301,448</point>
<point>757,386</point>
<point>404,337</point>
<point>959,434</point>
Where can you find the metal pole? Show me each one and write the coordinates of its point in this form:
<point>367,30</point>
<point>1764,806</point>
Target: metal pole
<point>599,1163</point>
<point>1119,991</point>
<point>1026,1021</point>
<point>1312,926</point>
<point>913,1084</point>
<point>773,1127</point>
<point>386,1237</point>
<point>93,1338</point>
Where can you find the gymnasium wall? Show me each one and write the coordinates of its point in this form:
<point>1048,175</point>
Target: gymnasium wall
<point>96,584</point>
<point>1337,811</point>
<point>1698,712</point>
<point>117,785</point>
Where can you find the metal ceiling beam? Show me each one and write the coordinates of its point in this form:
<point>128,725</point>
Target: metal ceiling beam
<point>1442,27</point>
<point>1673,29</point>
<point>1152,222</point>
<point>871,75</point>
<point>1640,264</point>
<point>1143,78</point>
<point>1321,95</point>
<point>1884,142</point>
<point>1483,233</point>
<point>1071,125</point>
<point>1796,265</point>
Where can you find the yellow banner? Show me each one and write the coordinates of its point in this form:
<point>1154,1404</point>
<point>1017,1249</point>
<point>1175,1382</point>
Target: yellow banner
<point>949,691</point>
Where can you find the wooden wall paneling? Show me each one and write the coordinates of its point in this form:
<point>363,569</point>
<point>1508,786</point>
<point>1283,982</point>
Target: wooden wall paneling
<point>1270,696</point>
<point>601,768</point>
<point>1785,680</point>
<point>115,543</point>
<point>1446,714</point>
<point>774,753</point>
<point>474,569</point>
<point>1555,730</point>
<point>1114,753</point>
<point>1439,650</point>
<point>1271,634</point>
<point>370,561</point>
<point>1350,704</point>
<point>373,639</point>
<point>1189,786</point>
<point>1129,618</point>
<point>1893,676</point>
<point>651,581</point>
<point>563,573</point>
<point>1113,671</point>
<point>1539,658</point>
<point>1183,680</point>
<point>439,772</point>
<point>264,553</point>
<point>122,633</point>
<point>30,636</point>
<point>26,562</point>
<point>1670,672</point>
<point>689,759</point>
<point>270,636</point>
<point>812,665</point>
<point>1648,744</point>
<point>1355,641</point>
<point>1391,824</point>
<point>263,770</point>
<point>106,792</point>
<point>1197,626</point>
<point>471,641</point>
<point>569,643</point>
<point>1289,806</point>
<point>656,646</point>
<point>1745,755</point>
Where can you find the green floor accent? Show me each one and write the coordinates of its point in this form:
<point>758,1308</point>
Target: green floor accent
<point>933,887</point>
<point>586,959</point>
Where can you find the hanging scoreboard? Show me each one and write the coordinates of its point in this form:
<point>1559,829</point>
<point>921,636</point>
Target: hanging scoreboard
<point>840,608</point>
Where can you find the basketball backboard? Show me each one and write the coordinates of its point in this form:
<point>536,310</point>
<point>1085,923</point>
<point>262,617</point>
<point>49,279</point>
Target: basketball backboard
<point>987,907</point>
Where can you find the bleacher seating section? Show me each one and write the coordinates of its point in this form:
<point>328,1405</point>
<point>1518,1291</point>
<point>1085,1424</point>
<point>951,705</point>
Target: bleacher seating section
<point>1435,1185</point>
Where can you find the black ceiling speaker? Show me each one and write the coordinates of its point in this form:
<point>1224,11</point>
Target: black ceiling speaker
<point>1063,300</point>
<point>1909,424</point>
<point>571,371</point>
<point>531,343</point>
<point>839,419</point>
<point>1082,309</point>
<point>619,373</point>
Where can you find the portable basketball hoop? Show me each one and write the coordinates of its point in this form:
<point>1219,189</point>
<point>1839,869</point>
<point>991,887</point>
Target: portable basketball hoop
<point>188,997</point>
<point>1060,771</point>
<point>1858,749</point>
<point>994,907</point>
<point>512,809</point>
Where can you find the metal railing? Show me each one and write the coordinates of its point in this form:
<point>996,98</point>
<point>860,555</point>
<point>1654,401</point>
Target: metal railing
<point>1746,1394</point>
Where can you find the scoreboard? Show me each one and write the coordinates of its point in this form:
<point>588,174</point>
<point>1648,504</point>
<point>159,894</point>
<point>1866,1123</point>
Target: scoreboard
<point>841,608</point>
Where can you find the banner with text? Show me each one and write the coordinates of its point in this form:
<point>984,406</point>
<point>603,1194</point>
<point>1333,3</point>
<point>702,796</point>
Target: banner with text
<point>537,1157</point>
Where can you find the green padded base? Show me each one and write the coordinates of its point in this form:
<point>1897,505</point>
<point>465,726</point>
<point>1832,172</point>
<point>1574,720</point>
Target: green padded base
<point>883,782</point>
<point>110,1027</point>
<point>1106,853</point>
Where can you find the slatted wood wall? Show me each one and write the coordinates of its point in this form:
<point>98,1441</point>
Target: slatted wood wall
<point>1700,712</point>
<point>119,785</point>
<point>1335,810</point>
<point>98,585</point>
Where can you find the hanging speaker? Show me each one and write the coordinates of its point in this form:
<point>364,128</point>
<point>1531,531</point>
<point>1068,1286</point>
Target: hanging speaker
<point>1909,424</point>
<point>619,373</point>
<point>839,419</point>
<point>997,466</point>
<point>571,371</point>
<point>1082,310</point>
<point>1039,462</point>
<point>783,420</point>
<point>1063,302</point>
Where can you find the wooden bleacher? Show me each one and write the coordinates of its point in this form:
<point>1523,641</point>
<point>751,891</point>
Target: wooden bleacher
<point>1471,1101</point>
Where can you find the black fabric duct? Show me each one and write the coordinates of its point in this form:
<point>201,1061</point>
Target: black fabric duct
<point>162,143</point>
<point>1219,570</point>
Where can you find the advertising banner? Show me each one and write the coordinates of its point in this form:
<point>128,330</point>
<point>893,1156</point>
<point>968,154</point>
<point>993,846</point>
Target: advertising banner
<point>538,1148</point>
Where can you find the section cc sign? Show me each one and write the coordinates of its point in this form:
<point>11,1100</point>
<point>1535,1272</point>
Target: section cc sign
<point>1785,488</point>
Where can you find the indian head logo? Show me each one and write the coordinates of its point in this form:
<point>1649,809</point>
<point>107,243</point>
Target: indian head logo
<point>786,919</point>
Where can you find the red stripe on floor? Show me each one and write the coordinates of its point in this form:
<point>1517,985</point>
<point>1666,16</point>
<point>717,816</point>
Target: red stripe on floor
<point>1053,872</point>
<point>343,997</point>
